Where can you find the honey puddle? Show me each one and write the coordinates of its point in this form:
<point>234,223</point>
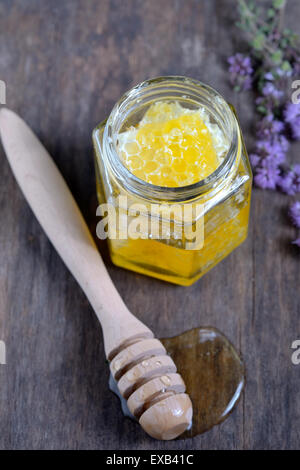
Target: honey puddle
<point>213,372</point>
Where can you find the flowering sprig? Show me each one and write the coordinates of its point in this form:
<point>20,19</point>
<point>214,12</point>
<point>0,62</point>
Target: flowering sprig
<point>269,68</point>
<point>240,72</point>
<point>294,213</point>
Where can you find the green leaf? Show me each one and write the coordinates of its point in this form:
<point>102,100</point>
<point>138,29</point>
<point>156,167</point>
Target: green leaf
<point>286,66</point>
<point>290,36</point>
<point>276,57</point>
<point>294,38</point>
<point>259,41</point>
<point>271,13</point>
<point>242,8</point>
<point>266,28</point>
<point>262,110</point>
<point>278,4</point>
<point>242,26</point>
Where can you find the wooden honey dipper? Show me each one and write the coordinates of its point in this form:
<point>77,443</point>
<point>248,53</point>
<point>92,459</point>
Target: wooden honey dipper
<point>145,374</point>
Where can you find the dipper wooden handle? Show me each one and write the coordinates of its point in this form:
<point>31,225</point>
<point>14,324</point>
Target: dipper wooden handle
<point>136,358</point>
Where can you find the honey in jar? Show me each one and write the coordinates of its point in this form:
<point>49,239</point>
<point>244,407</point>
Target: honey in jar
<point>173,143</point>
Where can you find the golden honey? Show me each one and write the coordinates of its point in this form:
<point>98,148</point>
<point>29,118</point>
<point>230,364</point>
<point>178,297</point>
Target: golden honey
<point>175,142</point>
<point>171,146</point>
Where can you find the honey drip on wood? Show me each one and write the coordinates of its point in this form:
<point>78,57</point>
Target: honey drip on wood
<point>213,372</point>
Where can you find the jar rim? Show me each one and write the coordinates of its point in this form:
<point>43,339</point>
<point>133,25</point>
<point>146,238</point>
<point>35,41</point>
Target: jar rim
<point>145,90</point>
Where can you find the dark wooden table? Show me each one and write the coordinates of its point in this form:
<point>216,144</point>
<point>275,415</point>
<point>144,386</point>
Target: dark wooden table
<point>65,64</point>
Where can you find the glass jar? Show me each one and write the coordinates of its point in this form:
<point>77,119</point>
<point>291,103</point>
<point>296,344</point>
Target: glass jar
<point>224,196</point>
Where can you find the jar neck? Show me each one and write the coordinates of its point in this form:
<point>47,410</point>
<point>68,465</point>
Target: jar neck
<point>192,93</point>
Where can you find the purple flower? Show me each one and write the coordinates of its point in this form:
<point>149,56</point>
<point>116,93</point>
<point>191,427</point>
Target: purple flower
<point>254,159</point>
<point>289,182</point>
<point>292,117</point>
<point>240,71</point>
<point>294,213</point>
<point>281,141</point>
<point>283,73</point>
<point>291,112</point>
<point>296,169</point>
<point>269,76</point>
<point>277,74</point>
<point>270,90</point>
<point>270,99</point>
<point>269,126</point>
<point>275,148</point>
<point>285,183</point>
<point>297,242</point>
<point>267,175</point>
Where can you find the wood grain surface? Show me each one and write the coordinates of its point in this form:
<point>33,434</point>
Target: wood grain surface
<point>65,64</point>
